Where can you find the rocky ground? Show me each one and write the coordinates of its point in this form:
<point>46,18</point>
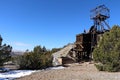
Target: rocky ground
<point>82,71</point>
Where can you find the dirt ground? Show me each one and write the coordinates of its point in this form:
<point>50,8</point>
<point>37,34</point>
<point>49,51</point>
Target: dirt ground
<point>82,71</point>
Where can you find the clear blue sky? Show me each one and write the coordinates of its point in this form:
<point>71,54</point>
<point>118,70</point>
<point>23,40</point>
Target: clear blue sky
<point>51,23</point>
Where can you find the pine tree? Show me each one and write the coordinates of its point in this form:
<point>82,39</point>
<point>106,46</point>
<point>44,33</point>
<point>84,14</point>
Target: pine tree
<point>107,53</point>
<point>5,51</point>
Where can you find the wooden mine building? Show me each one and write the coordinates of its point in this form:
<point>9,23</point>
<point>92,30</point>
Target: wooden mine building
<point>86,42</point>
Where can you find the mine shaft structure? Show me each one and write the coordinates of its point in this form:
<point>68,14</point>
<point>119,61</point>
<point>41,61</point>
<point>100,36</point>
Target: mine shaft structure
<point>99,15</point>
<point>86,42</point>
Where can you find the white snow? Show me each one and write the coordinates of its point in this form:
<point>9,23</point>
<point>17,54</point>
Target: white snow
<point>15,74</point>
<point>11,75</point>
<point>59,67</point>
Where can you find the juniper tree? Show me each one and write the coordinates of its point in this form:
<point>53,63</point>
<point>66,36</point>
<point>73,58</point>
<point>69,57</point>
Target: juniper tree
<point>107,53</point>
<point>5,51</point>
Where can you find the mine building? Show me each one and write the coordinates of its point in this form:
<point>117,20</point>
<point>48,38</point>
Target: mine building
<point>85,42</point>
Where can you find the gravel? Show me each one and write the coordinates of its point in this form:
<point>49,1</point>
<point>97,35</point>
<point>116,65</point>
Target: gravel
<point>76,71</point>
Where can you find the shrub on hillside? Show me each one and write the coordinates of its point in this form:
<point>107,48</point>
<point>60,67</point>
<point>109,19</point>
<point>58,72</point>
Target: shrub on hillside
<point>107,53</point>
<point>39,58</point>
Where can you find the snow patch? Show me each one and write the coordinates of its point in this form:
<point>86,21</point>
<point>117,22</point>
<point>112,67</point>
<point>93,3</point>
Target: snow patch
<point>59,67</point>
<point>15,74</point>
<point>11,75</point>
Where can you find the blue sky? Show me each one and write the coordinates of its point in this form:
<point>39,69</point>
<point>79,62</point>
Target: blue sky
<point>51,23</point>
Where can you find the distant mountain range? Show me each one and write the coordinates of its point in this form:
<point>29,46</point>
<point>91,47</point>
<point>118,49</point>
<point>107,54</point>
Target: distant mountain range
<point>17,53</point>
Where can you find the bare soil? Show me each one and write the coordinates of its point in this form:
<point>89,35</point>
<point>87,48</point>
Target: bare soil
<point>76,71</point>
